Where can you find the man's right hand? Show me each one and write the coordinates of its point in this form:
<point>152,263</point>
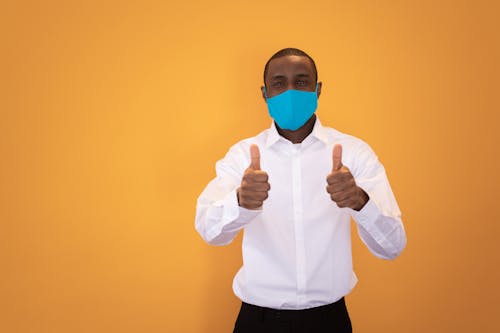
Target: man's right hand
<point>254,186</point>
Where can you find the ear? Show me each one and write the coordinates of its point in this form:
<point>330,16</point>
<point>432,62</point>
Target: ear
<point>319,88</point>
<point>263,90</point>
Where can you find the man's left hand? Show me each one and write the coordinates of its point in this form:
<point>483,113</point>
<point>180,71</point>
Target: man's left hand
<point>342,186</point>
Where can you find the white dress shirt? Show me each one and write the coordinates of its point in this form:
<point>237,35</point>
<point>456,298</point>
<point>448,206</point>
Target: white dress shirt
<point>297,247</point>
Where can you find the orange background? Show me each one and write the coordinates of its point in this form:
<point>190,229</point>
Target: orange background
<point>114,113</point>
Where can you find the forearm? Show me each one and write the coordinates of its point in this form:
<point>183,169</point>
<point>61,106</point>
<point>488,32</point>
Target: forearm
<point>383,233</point>
<point>218,222</point>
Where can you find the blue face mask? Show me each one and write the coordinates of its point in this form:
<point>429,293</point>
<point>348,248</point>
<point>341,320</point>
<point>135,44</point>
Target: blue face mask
<point>292,108</point>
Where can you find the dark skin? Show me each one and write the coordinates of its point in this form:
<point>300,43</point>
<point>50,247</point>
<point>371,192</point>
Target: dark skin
<point>254,186</point>
<point>297,72</point>
<point>342,186</point>
<point>291,72</point>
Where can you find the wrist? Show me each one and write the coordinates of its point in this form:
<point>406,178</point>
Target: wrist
<point>363,199</point>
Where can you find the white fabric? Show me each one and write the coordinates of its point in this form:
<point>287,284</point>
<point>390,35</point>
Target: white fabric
<point>297,248</point>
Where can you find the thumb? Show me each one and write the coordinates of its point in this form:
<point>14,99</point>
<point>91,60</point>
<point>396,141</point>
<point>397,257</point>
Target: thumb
<point>255,157</point>
<point>337,157</point>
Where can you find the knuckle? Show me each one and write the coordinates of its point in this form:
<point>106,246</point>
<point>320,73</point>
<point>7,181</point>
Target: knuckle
<point>257,203</point>
<point>247,195</point>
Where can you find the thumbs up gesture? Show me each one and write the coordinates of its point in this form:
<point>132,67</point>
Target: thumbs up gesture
<point>254,186</point>
<point>342,186</point>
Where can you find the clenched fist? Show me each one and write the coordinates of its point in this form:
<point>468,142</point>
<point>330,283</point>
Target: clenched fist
<point>254,186</point>
<point>342,186</point>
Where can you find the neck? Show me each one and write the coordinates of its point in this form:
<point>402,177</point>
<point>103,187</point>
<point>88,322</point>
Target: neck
<point>300,134</point>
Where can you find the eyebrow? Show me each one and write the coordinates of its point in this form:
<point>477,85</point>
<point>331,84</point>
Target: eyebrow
<point>280,77</point>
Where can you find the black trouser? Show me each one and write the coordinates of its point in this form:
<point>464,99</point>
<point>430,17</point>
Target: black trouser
<point>331,318</point>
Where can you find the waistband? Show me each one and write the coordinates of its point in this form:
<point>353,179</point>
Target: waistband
<point>263,312</point>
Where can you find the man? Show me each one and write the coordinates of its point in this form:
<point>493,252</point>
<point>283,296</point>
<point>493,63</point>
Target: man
<point>293,189</point>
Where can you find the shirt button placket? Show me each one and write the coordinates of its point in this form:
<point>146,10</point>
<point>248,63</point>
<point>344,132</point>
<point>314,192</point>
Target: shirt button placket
<point>298,224</point>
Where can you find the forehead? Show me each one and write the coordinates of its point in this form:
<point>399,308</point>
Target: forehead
<point>290,66</point>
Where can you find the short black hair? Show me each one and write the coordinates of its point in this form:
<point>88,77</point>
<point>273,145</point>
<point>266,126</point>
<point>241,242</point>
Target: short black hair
<point>290,51</point>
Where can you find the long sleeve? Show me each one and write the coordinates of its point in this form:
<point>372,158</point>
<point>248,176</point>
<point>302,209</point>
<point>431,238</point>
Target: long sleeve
<point>218,216</point>
<point>379,221</point>
<point>297,249</point>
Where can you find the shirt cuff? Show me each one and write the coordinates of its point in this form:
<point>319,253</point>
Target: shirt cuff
<point>234,217</point>
<point>366,218</point>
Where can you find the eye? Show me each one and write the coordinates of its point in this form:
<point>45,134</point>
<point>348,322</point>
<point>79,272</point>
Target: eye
<point>277,84</point>
<point>301,83</point>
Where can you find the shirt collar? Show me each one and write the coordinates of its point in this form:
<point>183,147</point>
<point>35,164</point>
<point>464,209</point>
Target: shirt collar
<point>318,132</point>
<point>273,135</point>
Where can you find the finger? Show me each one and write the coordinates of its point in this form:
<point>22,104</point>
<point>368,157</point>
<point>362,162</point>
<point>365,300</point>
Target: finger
<point>255,157</point>
<point>337,157</point>
<point>261,196</point>
<point>338,177</point>
<point>255,176</point>
<point>337,189</point>
<point>246,194</point>
<point>257,187</point>
<point>252,204</point>
<point>260,176</point>
<point>343,204</point>
<point>340,196</point>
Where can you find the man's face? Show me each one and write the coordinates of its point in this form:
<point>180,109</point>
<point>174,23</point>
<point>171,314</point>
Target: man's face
<point>290,72</point>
